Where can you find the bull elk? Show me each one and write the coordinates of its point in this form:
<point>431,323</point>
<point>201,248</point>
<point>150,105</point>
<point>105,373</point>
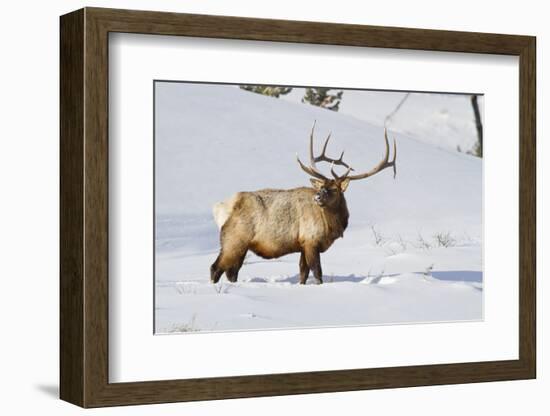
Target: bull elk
<point>273,222</point>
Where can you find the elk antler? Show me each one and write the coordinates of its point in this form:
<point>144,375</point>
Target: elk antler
<point>383,164</point>
<point>312,168</point>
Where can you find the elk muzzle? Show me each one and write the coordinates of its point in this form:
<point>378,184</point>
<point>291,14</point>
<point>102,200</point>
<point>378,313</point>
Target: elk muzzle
<point>321,197</point>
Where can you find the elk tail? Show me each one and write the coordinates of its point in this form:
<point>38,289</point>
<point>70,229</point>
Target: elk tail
<point>222,210</point>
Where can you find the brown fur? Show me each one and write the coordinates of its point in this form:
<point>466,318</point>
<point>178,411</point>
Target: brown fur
<point>273,223</point>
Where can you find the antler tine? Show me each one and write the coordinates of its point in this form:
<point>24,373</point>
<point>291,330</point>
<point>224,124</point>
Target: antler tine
<point>312,168</point>
<point>384,163</point>
<point>342,176</point>
<point>311,157</point>
<point>341,162</point>
<point>324,158</point>
<point>392,163</point>
<point>393,160</point>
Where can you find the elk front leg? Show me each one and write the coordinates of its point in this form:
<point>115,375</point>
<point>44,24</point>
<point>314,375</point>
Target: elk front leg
<point>313,259</point>
<point>304,269</point>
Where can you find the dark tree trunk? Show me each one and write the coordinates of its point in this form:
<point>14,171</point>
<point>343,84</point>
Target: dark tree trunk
<point>479,126</point>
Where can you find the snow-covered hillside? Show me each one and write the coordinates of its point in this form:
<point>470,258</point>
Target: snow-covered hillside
<point>442,120</point>
<point>392,265</point>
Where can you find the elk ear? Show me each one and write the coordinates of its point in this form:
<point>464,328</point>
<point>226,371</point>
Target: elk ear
<point>344,184</point>
<point>317,183</point>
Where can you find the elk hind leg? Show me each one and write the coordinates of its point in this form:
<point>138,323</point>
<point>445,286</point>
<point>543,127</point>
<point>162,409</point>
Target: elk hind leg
<point>232,273</point>
<point>228,261</point>
<point>215,270</point>
<point>231,258</point>
<point>234,239</point>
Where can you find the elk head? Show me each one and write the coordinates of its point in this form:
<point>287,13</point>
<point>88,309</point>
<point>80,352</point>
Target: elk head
<point>330,190</point>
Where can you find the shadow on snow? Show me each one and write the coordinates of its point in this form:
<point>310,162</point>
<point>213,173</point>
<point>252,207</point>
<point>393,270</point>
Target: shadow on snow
<point>451,276</point>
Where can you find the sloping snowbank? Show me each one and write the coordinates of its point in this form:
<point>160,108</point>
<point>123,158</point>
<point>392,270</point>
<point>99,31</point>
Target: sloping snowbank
<point>212,141</point>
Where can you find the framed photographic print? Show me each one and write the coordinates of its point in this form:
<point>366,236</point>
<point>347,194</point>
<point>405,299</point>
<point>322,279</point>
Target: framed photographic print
<point>256,207</point>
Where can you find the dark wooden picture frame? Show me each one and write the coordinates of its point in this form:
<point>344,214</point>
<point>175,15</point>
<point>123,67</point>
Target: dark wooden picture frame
<point>84,207</point>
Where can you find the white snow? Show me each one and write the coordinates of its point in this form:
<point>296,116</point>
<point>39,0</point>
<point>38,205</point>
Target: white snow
<point>442,120</point>
<point>215,140</point>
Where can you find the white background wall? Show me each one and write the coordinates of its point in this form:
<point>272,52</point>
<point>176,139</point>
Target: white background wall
<point>29,210</point>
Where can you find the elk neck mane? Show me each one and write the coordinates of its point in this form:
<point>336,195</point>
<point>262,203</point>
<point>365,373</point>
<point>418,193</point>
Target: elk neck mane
<point>336,218</point>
